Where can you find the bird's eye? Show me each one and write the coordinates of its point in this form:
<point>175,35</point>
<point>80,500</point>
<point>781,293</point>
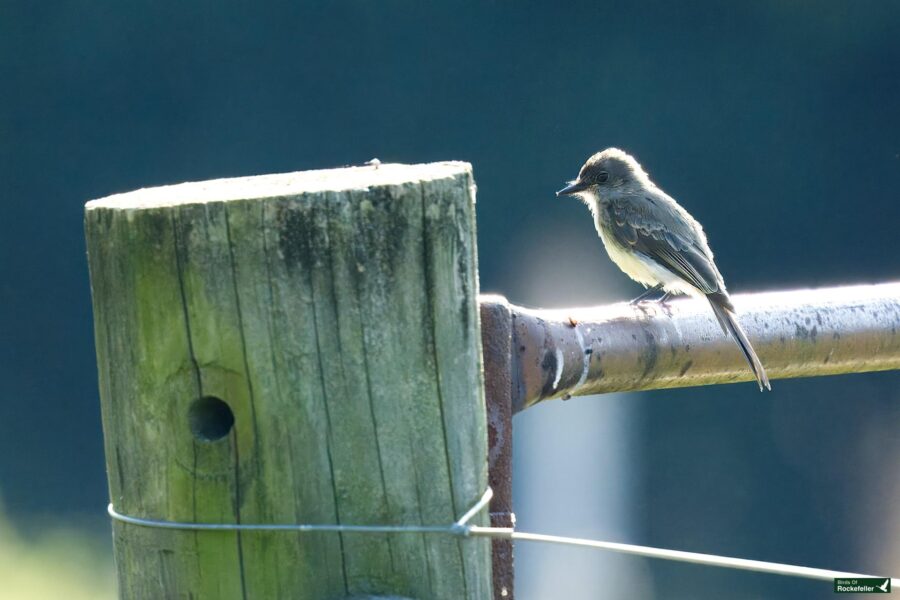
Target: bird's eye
<point>602,177</point>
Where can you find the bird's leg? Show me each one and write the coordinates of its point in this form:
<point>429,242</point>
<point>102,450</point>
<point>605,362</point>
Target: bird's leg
<point>648,292</point>
<point>662,299</point>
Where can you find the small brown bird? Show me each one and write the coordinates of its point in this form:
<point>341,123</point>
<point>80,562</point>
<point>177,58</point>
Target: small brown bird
<point>654,240</point>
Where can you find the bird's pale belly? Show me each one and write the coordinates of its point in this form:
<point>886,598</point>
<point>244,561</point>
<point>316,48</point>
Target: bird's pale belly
<point>643,269</point>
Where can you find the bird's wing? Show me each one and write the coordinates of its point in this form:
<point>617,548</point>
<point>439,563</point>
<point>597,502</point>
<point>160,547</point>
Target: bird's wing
<point>657,228</point>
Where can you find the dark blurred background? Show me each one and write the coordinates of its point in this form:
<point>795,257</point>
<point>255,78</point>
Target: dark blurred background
<point>777,124</point>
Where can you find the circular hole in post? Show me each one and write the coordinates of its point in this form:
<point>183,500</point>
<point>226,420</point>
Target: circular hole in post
<point>210,418</point>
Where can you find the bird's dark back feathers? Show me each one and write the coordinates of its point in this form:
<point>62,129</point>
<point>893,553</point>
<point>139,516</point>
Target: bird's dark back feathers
<point>654,225</point>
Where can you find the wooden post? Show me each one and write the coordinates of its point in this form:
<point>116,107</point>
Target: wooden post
<point>300,348</point>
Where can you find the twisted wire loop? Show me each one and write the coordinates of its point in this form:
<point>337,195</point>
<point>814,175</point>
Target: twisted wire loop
<point>462,528</point>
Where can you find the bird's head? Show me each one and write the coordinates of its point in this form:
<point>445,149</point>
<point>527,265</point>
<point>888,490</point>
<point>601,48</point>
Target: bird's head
<point>605,171</point>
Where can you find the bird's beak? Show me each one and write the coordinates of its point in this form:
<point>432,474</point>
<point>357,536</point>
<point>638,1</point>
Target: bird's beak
<point>573,188</point>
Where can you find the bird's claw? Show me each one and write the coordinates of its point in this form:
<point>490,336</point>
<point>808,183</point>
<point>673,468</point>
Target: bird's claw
<point>664,299</point>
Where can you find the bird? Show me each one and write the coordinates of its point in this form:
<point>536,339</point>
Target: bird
<point>655,241</point>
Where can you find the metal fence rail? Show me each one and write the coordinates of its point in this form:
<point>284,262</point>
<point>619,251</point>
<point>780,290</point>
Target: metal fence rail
<point>533,355</point>
<point>800,333</point>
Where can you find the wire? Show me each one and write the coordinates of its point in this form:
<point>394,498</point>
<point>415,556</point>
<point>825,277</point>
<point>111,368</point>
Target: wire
<point>462,528</point>
<point>676,555</point>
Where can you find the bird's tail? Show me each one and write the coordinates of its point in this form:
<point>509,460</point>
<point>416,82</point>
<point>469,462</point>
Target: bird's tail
<point>725,315</point>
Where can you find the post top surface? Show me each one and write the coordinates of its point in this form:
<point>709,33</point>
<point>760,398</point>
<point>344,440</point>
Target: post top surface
<point>282,184</point>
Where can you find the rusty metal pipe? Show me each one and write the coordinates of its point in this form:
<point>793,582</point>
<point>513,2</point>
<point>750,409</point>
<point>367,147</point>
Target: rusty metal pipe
<point>617,348</point>
<point>534,355</point>
<point>496,340</point>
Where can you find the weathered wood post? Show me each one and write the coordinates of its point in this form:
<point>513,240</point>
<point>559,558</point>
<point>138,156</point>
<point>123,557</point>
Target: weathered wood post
<point>299,348</point>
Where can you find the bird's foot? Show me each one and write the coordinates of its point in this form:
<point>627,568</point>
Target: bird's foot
<point>646,294</point>
<point>664,299</point>
<point>663,304</point>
